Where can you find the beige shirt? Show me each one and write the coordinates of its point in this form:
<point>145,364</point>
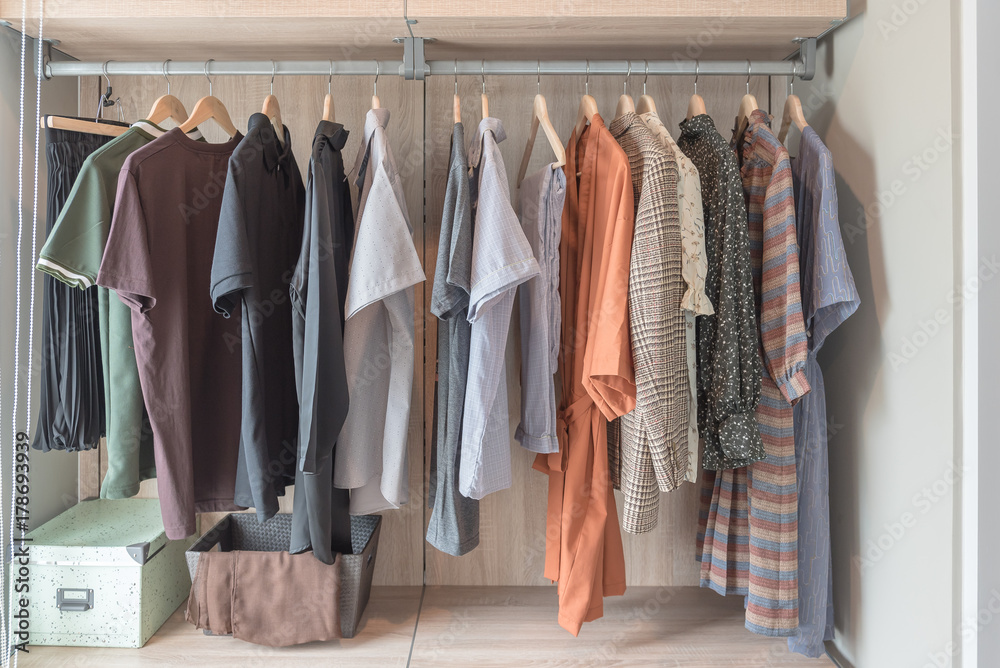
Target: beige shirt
<point>694,267</point>
<point>371,453</point>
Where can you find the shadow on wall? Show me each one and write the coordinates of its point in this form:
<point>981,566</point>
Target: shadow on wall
<point>852,357</point>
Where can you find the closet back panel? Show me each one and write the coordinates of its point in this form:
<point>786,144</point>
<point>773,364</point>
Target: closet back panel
<point>512,542</point>
<point>301,99</point>
<point>512,548</point>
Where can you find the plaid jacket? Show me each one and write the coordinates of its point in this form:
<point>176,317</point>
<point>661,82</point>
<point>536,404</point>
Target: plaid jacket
<point>648,448</point>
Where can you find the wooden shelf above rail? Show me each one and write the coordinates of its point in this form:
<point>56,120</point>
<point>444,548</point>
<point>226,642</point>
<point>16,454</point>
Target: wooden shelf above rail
<point>360,29</point>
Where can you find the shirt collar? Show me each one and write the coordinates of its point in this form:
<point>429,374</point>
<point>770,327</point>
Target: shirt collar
<point>275,154</point>
<point>376,118</point>
<point>332,134</point>
<point>488,124</point>
<point>153,130</point>
<point>697,126</point>
<point>757,121</point>
<point>619,126</point>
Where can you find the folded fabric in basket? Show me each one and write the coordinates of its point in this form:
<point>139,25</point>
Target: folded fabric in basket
<point>268,598</point>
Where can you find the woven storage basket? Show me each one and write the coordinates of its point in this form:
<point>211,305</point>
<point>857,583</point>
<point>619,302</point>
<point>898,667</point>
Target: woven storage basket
<point>242,531</point>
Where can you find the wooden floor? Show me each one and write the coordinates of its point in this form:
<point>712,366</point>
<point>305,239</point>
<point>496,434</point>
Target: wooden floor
<point>482,627</point>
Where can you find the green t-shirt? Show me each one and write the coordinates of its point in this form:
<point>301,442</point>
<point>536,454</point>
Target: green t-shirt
<point>72,254</point>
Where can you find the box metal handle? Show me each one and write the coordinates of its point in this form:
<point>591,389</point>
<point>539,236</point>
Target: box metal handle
<point>74,600</point>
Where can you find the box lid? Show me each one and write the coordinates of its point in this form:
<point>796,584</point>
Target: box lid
<point>103,531</point>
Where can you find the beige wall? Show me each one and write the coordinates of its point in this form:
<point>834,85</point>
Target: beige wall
<point>882,101</point>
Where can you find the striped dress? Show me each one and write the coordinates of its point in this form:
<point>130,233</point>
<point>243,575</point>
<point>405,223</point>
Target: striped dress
<point>772,601</point>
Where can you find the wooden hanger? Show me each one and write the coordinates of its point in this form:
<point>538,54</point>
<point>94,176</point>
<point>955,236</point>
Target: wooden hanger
<point>167,106</point>
<point>587,109</point>
<point>645,104</point>
<point>272,110</point>
<point>376,103</point>
<point>485,100</point>
<point>95,127</point>
<point>792,114</point>
<point>328,111</point>
<point>747,106</point>
<point>540,117</point>
<point>105,129</point>
<point>209,107</point>
<point>625,103</point>
<point>696,106</point>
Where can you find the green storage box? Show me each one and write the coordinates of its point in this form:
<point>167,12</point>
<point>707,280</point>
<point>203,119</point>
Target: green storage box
<point>104,574</point>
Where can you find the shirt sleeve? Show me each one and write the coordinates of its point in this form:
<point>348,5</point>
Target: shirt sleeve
<point>782,330</point>
<point>693,228</point>
<point>127,265</point>
<point>384,260</point>
<point>232,269</point>
<point>72,252</point>
<point>609,375</point>
<point>502,257</point>
<point>835,297</point>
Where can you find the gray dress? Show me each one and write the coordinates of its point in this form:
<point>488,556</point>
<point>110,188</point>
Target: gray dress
<point>454,524</point>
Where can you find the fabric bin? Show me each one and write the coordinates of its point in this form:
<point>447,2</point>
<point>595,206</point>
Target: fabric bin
<point>242,531</point>
<point>104,574</point>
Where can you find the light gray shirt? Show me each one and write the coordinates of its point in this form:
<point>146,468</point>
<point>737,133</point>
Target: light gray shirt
<point>371,457</point>
<point>542,197</point>
<point>501,260</point>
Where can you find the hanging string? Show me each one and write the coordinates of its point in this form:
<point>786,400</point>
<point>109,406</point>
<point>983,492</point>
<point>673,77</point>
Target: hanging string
<point>17,332</point>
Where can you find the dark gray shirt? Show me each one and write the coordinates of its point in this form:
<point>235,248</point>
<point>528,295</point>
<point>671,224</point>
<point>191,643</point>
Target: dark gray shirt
<point>454,523</point>
<point>260,233</point>
<point>320,518</point>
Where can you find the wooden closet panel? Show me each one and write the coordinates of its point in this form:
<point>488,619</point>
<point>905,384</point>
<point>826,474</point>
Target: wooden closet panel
<point>512,547</point>
<point>400,560</point>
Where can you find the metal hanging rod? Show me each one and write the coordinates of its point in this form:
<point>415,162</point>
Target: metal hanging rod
<point>798,68</point>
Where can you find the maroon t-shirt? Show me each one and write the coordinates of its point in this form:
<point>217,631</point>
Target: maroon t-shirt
<point>159,260</point>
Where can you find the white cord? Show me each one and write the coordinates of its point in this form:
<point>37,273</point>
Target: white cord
<point>32,281</point>
<point>7,630</point>
<point>31,270</point>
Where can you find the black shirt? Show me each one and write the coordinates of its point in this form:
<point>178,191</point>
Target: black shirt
<point>260,229</point>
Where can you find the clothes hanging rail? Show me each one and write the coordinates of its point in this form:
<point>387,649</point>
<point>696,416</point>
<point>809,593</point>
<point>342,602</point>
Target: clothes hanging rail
<point>801,68</point>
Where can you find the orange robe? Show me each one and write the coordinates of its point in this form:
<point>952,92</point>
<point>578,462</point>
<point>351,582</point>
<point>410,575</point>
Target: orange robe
<point>583,550</point>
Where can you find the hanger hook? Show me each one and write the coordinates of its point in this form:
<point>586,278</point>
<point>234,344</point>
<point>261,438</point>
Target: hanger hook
<point>538,77</point>
<point>375,84</point>
<point>165,77</point>
<point>104,69</point>
<point>791,84</point>
<point>748,76</point>
<point>274,69</point>
<point>482,65</point>
<point>210,60</point>
<point>329,82</point>
<point>456,76</point>
<point>628,74</point>
<point>646,76</point>
<point>697,71</point>
<point>586,83</point>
